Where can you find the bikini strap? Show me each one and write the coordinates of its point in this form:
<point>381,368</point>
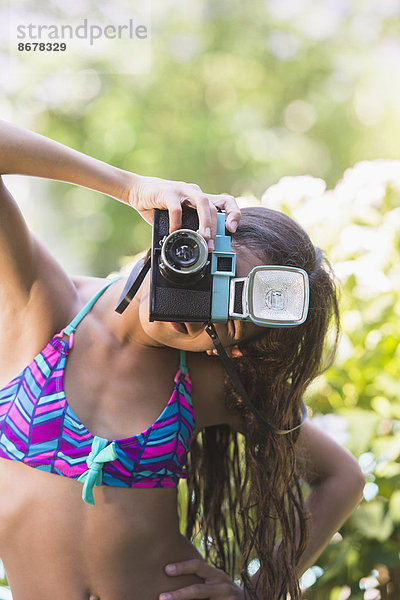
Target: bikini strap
<point>182,371</point>
<point>71,327</point>
<point>182,362</point>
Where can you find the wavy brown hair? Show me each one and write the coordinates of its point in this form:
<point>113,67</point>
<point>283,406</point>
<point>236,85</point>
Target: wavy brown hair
<point>245,492</point>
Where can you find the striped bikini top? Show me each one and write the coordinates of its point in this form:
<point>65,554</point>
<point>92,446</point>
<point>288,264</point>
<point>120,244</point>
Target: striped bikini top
<point>39,428</point>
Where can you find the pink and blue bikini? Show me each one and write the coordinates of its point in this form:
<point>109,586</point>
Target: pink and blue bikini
<point>39,428</point>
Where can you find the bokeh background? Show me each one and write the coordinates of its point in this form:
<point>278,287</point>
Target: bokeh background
<point>292,103</point>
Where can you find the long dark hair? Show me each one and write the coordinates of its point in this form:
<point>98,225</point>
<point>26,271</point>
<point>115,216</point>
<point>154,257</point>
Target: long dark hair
<point>245,492</point>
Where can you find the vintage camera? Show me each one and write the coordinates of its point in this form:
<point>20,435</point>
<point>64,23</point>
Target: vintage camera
<point>189,284</point>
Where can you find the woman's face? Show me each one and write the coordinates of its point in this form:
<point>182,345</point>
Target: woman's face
<point>192,336</point>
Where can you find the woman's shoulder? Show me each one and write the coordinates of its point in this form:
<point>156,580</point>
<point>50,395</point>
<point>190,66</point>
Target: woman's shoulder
<point>56,298</point>
<point>27,326</point>
<point>86,285</point>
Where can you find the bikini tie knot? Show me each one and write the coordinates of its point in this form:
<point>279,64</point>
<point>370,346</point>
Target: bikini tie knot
<point>101,453</point>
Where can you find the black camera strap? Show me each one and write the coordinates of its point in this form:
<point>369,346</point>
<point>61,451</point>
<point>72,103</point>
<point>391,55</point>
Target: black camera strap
<point>226,361</point>
<point>133,283</point>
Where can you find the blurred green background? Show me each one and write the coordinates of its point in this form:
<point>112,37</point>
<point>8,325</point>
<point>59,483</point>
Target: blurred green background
<point>246,98</point>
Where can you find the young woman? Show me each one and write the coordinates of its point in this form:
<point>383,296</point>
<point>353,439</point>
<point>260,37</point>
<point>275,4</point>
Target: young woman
<point>92,450</point>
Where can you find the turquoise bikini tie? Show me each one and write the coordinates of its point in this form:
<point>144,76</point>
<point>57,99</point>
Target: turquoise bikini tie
<point>100,453</point>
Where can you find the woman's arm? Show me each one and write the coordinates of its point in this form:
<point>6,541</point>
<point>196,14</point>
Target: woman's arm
<point>336,485</point>
<point>26,153</point>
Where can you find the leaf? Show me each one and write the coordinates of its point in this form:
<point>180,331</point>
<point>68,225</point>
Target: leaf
<point>373,521</point>
<point>394,506</point>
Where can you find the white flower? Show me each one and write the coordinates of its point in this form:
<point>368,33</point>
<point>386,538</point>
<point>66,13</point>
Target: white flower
<point>292,190</point>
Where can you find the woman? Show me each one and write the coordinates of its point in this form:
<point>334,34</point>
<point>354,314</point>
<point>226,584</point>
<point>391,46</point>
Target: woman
<point>86,419</point>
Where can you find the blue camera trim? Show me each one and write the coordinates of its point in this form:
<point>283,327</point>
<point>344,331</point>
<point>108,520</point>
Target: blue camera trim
<point>221,275</point>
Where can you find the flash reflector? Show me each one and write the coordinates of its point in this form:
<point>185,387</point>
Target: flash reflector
<point>271,296</point>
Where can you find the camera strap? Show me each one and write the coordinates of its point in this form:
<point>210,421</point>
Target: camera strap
<point>226,361</point>
<point>133,283</point>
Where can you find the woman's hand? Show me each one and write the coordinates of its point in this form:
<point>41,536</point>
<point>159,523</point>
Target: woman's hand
<point>217,584</point>
<point>147,193</point>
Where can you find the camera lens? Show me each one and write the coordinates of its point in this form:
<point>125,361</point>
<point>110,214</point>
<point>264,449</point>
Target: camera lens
<point>184,256</point>
<point>183,252</point>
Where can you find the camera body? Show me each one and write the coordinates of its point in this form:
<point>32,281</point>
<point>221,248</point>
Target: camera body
<point>182,271</point>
